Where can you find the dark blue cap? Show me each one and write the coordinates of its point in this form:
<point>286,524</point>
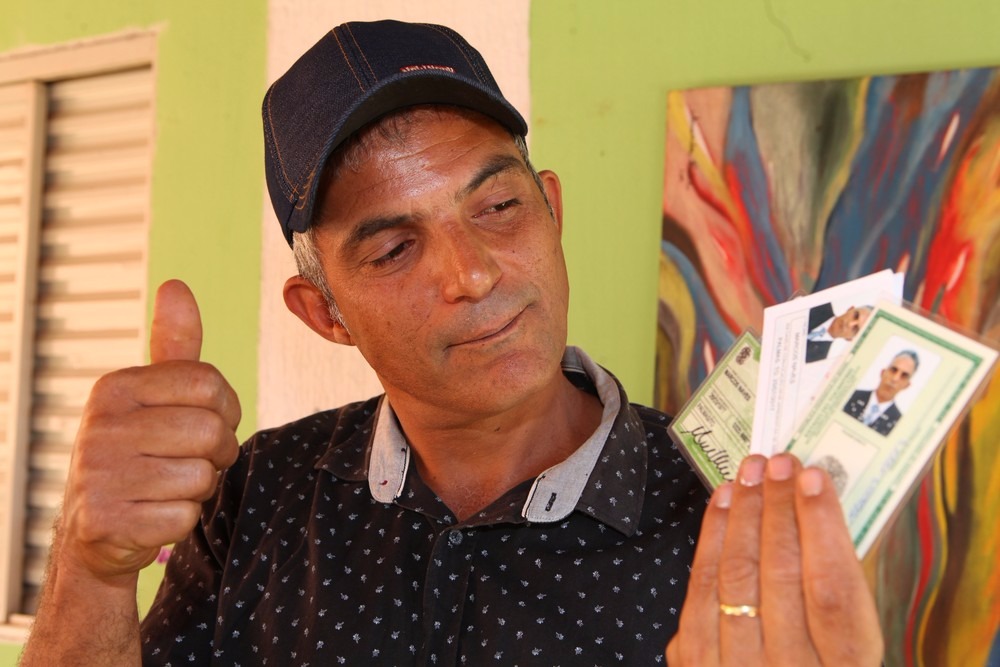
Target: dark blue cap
<point>356,73</point>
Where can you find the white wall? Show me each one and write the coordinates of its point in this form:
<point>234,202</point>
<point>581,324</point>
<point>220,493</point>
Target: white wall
<point>299,372</point>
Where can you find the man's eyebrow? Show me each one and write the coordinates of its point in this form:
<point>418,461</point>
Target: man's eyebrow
<point>371,226</point>
<point>494,166</point>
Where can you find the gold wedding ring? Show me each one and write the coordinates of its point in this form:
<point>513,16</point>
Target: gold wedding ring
<point>747,610</point>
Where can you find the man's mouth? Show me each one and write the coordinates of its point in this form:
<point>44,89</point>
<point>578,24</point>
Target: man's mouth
<point>493,332</point>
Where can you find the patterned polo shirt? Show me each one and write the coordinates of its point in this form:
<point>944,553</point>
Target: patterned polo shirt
<point>323,546</point>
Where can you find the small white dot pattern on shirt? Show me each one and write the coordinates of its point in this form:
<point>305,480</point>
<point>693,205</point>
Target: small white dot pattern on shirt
<point>294,563</point>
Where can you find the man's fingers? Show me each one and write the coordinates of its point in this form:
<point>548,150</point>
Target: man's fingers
<point>169,383</point>
<point>128,541</point>
<point>175,336</point>
<point>838,603</point>
<point>176,330</point>
<point>739,568</point>
<point>782,548</point>
<point>783,614</point>
<point>176,432</point>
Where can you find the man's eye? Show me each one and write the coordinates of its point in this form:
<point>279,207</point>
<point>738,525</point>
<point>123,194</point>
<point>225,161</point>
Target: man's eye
<point>498,208</point>
<point>392,255</point>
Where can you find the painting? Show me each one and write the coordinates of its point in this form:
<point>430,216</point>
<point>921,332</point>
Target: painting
<point>776,190</point>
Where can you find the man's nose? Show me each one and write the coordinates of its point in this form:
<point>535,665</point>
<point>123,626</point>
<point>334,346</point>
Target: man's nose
<point>469,268</point>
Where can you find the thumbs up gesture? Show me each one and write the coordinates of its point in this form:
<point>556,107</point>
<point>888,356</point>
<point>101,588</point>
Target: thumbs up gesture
<point>151,442</point>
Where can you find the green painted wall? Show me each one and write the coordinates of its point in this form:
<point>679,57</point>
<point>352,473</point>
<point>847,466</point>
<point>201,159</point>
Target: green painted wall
<point>207,177</point>
<point>600,72</point>
<point>207,188</point>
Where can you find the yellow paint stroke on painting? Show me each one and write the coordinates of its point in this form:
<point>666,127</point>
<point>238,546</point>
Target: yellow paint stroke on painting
<point>940,542</point>
<point>682,125</point>
<point>674,291</point>
<point>974,614</point>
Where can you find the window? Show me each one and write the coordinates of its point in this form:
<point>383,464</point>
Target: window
<point>76,137</point>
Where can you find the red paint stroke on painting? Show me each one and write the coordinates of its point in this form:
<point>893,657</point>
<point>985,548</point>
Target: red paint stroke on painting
<point>744,229</point>
<point>926,537</point>
<point>949,252</point>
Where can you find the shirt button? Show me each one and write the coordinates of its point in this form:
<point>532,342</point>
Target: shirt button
<point>455,537</point>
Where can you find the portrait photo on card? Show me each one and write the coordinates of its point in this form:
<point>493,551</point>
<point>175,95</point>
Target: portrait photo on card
<point>831,327</point>
<point>891,384</point>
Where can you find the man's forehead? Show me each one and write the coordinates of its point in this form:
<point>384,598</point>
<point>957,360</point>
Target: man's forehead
<point>398,128</point>
<point>381,143</point>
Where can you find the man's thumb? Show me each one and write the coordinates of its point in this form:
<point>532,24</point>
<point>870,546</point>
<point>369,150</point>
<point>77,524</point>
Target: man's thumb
<point>176,329</point>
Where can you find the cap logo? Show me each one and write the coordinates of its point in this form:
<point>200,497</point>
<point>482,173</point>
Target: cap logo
<point>417,68</point>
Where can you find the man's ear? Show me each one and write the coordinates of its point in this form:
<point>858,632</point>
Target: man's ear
<point>553,190</point>
<point>307,302</point>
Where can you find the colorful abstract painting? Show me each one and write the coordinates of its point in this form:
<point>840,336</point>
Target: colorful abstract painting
<point>779,189</point>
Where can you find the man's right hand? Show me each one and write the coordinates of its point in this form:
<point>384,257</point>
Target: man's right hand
<point>150,444</point>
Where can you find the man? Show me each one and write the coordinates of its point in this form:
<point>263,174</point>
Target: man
<point>502,503</point>
<point>825,327</point>
<point>877,409</point>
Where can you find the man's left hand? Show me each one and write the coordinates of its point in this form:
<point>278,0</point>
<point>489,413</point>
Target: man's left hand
<point>775,579</point>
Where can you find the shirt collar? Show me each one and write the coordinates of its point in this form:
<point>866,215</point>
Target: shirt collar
<point>873,400</point>
<point>605,477</point>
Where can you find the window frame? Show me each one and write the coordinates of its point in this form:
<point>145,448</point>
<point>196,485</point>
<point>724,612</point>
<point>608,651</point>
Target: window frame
<point>34,68</point>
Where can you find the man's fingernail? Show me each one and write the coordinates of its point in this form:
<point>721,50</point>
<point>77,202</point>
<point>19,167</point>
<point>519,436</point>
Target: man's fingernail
<point>779,467</point>
<point>724,496</point>
<point>752,471</point>
<point>811,482</point>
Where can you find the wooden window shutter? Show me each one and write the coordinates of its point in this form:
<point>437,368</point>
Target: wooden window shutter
<point>84,292</point>
<point>91,273</point>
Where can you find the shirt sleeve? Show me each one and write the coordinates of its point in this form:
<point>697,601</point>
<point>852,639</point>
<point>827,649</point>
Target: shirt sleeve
<point>179,625</point>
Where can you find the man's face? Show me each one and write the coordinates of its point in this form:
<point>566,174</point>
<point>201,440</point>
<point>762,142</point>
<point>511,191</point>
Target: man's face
<point>447,267</point>
<point>849,323</point>
<point>895,378</point>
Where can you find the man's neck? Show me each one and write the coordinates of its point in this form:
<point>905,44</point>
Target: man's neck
<point>878,399</point>
<point>471,463</point>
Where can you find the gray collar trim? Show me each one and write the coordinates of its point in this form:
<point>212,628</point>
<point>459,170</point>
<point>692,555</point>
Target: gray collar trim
<point>555,492</point>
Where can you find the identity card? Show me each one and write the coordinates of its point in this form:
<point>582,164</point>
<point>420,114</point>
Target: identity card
<point>713,428</point>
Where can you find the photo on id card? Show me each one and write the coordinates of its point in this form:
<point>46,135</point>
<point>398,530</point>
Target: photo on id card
<point>886,409</point>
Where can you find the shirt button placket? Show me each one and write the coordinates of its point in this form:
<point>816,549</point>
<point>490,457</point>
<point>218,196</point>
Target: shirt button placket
<point>445,596</point>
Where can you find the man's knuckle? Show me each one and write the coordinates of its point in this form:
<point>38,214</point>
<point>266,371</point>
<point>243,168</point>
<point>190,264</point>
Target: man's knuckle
<point>202,479</point>
<point>828,594</point>
<point>782,574</point>
<point>206,383</point>
<point>210,429</point>
<point>111,392</point>
<point>738,570</point>
<point>704,577</point>
<point>88,523</point>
